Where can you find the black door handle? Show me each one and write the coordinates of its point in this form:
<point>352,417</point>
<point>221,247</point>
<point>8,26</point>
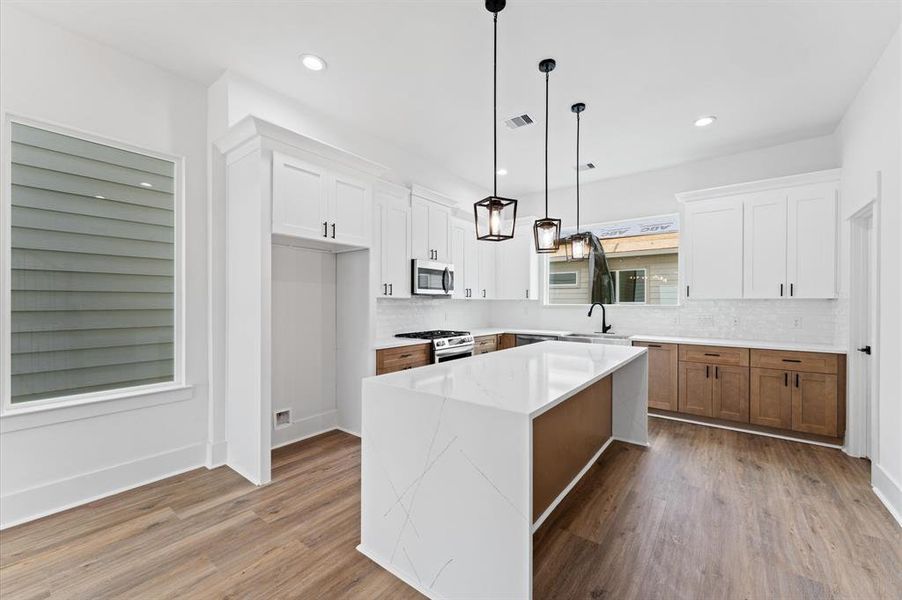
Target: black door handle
<point>785,379</point>
<point>385,289</point>
<point>716,372</point>
<point>325,229</point>
<point>781,290</point>
<point>797,380</point>
<point>866,350</point>
<point>706,371</point>
<point>391,289</point>
<point>333,231</point>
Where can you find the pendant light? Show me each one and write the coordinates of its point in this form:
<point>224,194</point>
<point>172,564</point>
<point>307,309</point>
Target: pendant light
<point>495,216</point>
<point>578,245</point>
<point>547,231</point>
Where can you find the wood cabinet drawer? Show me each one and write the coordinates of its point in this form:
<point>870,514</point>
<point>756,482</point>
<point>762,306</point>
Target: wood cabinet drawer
<point>715,355</point>
<point>806,362</point>
<point>390,360</point>
<point>485,343</point>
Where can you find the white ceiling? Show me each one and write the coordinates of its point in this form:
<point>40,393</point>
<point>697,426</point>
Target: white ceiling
<point>419,73</point>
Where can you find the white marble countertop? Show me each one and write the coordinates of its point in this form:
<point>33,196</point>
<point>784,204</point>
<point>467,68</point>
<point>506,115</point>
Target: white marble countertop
<point>527,380</point>
<point>758,344</point>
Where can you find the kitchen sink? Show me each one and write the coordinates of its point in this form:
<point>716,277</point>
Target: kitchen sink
<point>597,338</point>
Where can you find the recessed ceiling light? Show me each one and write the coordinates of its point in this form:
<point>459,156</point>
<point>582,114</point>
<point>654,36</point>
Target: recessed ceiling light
<point>313,62</point>
<point>705,121</point>
<point>145,184</point>
<point>501,171</point>
<point>99,197</point>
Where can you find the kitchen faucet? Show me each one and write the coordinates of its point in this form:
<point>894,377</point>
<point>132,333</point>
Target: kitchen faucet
<point>604,326</point>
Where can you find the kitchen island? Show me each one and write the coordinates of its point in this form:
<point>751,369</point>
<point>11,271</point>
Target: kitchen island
<point>462,461</point>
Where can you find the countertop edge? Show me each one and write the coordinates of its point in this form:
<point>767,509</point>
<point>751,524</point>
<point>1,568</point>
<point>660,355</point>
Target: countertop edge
<point>754,344</point>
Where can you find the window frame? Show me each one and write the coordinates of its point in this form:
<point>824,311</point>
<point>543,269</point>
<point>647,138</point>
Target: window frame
<point>563,285</point>
<point>616,275</point>
<point>7,408</point>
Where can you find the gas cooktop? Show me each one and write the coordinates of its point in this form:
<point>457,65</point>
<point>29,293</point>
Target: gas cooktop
<point>433,334</point>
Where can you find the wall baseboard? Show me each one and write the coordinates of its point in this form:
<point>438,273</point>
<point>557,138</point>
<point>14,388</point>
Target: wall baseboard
<point>33,503</point>
<point>348,431</point>
<point>305,428</point>
<point>888,491</point>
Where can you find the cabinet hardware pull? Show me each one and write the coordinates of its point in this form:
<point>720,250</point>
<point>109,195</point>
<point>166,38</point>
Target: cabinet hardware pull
<point>706,371</point>
<point>325,229</point>
<point>716,372</point>
<point>797,380</point>
<point>785,379</point>
<point>781,290</point>
<point>385,289</point>
<point>527,294</point>
<point>333,231</point>
<point>792,360</point>
<point>654,345</point>
<point>711,354</point>
<point>391,289</point>
<point>687,291</point>
<point>791,290</point>
<point>405,356</point>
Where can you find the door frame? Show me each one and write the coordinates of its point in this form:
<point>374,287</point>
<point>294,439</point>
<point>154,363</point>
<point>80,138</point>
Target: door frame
<point>864,299</point>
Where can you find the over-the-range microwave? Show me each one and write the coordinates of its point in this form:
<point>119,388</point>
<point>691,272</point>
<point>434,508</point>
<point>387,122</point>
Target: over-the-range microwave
<point>431,278</point>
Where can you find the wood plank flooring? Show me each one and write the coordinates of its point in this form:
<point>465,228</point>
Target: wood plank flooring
<point>702,513</point>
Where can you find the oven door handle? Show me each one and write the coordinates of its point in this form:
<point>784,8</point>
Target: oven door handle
<point>466,349</point>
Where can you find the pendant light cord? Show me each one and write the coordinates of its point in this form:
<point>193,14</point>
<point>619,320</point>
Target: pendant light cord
<point>577,172</point>
<point>495,106</point>
<point>547,73</point>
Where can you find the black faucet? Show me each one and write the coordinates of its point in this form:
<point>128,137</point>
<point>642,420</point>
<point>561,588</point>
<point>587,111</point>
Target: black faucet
<point>604,325</point>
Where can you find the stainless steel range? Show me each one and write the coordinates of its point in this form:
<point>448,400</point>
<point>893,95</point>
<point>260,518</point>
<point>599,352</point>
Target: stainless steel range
<point>446,345</point>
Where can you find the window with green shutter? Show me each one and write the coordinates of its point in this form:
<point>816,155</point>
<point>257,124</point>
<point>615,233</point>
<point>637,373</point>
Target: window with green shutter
<point>92,256</point>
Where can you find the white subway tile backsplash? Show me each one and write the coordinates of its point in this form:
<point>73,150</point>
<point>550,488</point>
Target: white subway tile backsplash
<point>419,314</point>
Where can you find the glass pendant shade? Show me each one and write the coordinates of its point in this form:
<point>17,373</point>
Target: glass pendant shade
<point>578,246</point>
<point>495,218</point>
<point>548,235</point>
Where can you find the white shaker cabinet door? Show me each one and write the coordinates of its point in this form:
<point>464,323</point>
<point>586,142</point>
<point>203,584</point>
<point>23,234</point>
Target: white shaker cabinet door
<point>811,265</point>
<point>419,230</point>
<point>439,224</point>
<point>764,270</point>
<point>459,233</point>
<point>350,211</point>
<point>471,263</point>
<point>486,259</point>
<point>300,198</point>
<point>517,265</point>
<point>713,241</point>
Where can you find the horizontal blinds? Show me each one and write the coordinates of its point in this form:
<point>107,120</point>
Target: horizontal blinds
<point>93,265</point>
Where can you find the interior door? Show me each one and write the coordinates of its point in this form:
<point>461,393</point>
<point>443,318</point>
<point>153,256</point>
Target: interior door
<point>350,199</point>
<point>811,266</point>
<point>713,239</point>
<point>814,403</point>
<point>300,198</point>
<point>770,397</point>
<point>731,393</point>
<point>764,256</point>
<point>696,389</point>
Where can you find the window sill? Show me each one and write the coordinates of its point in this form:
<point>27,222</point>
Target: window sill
<point>29,417</point>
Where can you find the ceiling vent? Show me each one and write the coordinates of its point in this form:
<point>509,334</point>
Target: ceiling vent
<point>518,122</point>
<point>586,167</point>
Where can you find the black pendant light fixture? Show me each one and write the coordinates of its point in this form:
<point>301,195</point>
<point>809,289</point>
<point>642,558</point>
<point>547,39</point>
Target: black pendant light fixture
<point>547,231</point>
<point>579,244</point>
<point>495,216</point>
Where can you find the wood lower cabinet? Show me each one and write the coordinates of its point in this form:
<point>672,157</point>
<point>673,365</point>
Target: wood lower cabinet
<point>770,398</point>
<point>696,389</point>
<point>663,375</point>
<point>731,393</point>
<point>390,360</point>
<point>485,343</point>
<point>814,403</point>
<point>507,340</point>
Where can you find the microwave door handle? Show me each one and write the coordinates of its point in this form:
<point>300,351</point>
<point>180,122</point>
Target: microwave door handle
<point>446,280</point>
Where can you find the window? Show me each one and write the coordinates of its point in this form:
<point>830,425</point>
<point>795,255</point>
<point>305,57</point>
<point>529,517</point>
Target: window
<point>629,286</point>
<point>93,267</point>
<point>560,279</point>
<point>642,256</point>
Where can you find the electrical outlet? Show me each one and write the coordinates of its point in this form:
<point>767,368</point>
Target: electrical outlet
<point>283,418</point>
<point>797,322</point>
<point>735,322</point>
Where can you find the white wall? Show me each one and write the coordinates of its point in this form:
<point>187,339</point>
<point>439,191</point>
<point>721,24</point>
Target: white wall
<point>654,193</point>
<point>303,341</point>
<point>49,74</point>
<point>871,134</point>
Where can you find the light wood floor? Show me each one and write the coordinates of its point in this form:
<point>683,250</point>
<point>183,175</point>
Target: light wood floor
<point>702,513</point>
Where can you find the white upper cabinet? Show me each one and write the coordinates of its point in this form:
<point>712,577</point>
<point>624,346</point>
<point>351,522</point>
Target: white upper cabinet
<point>517,264</point>
<point>765,239</point>
<point>712,248</point>
<point>764,271</point>
<point>314,202</point>
<point>430,226</point>
<point>391,244</point>
<point>485,258</point>
<point>812,232</point>
<point>459,234</point>
<point>471,263</point>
